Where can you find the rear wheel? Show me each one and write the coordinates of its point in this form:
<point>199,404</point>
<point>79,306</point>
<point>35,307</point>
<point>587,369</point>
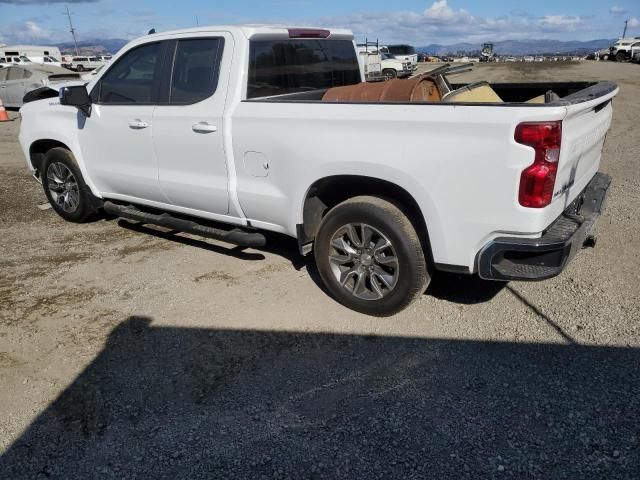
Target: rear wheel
<point>80,68</point>
<point>65,188</point>
<point>370,256</point>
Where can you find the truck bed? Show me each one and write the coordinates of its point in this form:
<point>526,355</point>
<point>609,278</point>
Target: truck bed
<point>570,93</point>
<point>463,160</point>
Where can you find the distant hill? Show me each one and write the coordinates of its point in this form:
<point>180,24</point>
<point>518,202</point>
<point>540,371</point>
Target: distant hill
<point>95,46</point>
<point>523,47</point>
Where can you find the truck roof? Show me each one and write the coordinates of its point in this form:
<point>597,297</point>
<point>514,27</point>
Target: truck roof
<point>252,30</point>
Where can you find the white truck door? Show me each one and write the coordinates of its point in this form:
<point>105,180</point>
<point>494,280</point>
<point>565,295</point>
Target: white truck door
<point>188,125</point>
<point>117,139</point>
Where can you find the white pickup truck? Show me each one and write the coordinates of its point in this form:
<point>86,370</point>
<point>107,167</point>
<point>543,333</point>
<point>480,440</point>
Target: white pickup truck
<point>226,132</point>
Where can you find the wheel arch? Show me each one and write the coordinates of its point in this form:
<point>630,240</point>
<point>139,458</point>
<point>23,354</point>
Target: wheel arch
<point>327,192</point>
<point>39,149</point>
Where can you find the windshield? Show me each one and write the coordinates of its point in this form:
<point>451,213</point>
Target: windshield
<point>386,56</point>
<point>401,50</point>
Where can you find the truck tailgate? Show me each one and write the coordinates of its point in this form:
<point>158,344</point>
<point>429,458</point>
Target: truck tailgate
<point>584,129</point>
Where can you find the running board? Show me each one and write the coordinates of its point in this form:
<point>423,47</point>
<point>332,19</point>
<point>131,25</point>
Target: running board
<point>235,236</point>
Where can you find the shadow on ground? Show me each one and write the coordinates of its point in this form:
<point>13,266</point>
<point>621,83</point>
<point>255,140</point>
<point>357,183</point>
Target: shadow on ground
<point>465,289</point>
<point>162,402</point>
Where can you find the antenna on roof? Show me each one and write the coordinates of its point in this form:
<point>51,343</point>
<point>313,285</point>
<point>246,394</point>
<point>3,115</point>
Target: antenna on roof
<point>625,28</point>
<point>72,30</point>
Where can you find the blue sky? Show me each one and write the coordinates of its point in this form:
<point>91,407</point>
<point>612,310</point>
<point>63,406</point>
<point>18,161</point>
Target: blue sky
<point>414,21</point>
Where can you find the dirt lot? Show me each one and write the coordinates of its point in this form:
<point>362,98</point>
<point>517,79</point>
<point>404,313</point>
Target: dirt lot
<point>126,352</point>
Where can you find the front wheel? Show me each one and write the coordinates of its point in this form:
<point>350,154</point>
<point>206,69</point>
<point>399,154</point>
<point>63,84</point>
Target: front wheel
<point>80,68</point>
<point>65,188</point>
<point>389,74</point>
<point>621,57</point>
<point>370,257</point>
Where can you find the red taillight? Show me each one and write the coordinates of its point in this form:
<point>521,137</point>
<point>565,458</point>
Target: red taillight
<point>538,181</point>
<point>308,33</point>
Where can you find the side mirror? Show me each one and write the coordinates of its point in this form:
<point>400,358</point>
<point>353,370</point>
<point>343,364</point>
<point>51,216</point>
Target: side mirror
<point>76,96</point>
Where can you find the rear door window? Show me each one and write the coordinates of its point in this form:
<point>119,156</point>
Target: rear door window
<point>278,67</point>
<point>134,78</point>
<point>195,70</point>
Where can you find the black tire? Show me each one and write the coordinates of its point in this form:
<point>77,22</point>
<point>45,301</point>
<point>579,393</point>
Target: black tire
<point>621,57</point>
<point>80,68</point>
<point>85,208</point>
<point>389,73</point>
<point>388,220</point>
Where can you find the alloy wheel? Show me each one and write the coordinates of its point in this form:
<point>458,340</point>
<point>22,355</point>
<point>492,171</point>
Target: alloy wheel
<point>364,261</point>
<point>63,187</point>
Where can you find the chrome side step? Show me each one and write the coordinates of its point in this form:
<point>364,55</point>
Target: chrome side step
<point>235,236</point>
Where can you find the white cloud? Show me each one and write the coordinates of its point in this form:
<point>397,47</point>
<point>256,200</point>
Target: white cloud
<point>567,23</point>
<point>441,22</point>
<point>616,10</point>
<point>440,11</point>
<point>633,23</point>
<point>26,32</point>
<point>561,20</point>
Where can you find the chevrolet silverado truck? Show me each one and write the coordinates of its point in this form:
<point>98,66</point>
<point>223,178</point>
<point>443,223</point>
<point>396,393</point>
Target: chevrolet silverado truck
<point>229,132</point>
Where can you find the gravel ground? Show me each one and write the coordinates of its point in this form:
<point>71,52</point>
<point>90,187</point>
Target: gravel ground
<point>130,352</point>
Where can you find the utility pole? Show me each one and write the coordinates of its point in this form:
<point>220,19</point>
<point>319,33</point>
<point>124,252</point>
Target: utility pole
<point>72,30</point>
<point>625,28</point>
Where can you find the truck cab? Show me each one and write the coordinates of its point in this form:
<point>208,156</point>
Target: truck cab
<point>404,53</point>
<point>622,50</point>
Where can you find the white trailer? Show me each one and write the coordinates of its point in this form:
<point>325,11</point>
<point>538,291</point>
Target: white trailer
<point>35,53</point>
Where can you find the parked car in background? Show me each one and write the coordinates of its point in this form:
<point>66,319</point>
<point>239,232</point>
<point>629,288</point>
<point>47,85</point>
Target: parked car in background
<point>8,61</point>
<point>18,80</point>
<point>83,64</point>
<point>394,68</point>
<point>621,51</point>
<point>66,61</point>
<point>33,53</point>
<point>88,76</point>
<point>635,53</point>
<point>404,53</point>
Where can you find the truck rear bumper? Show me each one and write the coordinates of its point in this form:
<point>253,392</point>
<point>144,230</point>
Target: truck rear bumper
<point>539,258</point>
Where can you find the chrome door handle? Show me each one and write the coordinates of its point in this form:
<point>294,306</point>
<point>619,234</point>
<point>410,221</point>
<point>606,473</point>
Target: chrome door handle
<point>204,127</point>
<point>138,124</point>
